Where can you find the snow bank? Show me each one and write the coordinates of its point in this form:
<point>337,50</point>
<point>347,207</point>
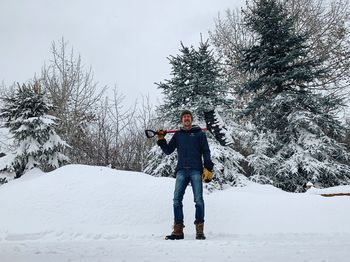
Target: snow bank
<point>330,190</point>
<point>78,202</point>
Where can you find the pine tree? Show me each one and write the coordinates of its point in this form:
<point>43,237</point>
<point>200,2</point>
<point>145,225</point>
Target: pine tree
<point>196,85</point>
<point>33,129</point>
<point>297,130</point>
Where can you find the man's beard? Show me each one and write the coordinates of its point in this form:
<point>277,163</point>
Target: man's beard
<point>187,123</point>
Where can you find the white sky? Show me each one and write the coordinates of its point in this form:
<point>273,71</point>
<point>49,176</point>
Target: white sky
<point>125,42</point>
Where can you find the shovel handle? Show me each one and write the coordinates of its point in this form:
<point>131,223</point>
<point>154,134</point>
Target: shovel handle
<point>151,133</point>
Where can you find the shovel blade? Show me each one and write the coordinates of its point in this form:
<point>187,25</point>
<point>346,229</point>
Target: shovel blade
<point>217,128</point>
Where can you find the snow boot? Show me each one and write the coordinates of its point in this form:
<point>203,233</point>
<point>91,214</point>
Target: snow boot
<point>177,233</point>
<point>199,231</point>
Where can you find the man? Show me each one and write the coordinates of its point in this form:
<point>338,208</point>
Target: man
<point>191,144</point>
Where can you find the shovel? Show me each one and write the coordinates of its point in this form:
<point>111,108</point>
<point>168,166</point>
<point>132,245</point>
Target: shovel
<point>215,125</point>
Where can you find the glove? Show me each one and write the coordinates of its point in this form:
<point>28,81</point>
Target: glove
<point>207,176</point>
<point>161,134</point>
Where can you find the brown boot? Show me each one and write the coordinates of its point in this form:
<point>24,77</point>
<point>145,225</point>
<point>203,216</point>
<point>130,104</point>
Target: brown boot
<point>177,233</point>
<point>199,231</point>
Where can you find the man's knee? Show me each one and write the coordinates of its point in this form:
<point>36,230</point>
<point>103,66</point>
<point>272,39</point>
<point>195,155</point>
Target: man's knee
<point>199,201</point>
<point>177,202</point>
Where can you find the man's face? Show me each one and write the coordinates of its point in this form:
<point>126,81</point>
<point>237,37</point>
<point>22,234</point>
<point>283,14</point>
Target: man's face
<point>187,120</point>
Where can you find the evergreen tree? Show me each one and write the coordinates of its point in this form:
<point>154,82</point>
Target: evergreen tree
<point>297,130</point>
<point>196,85</point>
<point>37,144</point>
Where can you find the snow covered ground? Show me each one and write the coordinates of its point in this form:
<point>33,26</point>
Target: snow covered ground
<point>86,213</point>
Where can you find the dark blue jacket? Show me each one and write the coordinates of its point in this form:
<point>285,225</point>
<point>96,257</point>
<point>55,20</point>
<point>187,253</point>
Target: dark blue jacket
<point>191,145</point>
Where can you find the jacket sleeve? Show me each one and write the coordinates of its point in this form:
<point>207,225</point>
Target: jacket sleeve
<point>208,164</point>
<point>168,148</point>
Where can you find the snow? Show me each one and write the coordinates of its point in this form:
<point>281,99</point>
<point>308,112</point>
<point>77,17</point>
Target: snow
<point>6,142</point>
<point>331,190</point>
<point>89,213</point>
<point>5,139</point>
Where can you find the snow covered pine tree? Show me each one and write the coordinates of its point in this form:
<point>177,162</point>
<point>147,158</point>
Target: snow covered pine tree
<point>37,144</point>
<point>196,85</point>
<point>298,133</point>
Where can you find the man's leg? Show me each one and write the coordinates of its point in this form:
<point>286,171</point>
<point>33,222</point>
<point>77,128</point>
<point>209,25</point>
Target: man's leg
<point>182,180</point>
<point>197,188</point>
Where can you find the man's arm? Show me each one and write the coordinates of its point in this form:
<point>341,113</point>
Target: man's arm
<point>167,148</point>
<point>208,164</point>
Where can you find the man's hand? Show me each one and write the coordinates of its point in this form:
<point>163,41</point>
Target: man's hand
<point>207,176</point>
<point>161,134</point>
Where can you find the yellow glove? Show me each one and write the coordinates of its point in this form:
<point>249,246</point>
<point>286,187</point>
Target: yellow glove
<point>161,134</point>
<point>207,176</point>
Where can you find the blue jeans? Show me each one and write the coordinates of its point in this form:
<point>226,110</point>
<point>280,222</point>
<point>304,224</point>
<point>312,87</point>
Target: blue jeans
<point>183,177</point>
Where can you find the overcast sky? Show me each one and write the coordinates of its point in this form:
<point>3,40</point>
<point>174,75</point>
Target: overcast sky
<point>125,42</point>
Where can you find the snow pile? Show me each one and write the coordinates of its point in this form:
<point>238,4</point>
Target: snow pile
<point>78,202</point>
<point>330,191</point>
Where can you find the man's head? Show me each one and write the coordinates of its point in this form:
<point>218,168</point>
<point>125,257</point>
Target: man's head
<point>186,119</point>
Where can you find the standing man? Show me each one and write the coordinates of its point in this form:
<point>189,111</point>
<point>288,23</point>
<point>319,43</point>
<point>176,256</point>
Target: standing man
<point>191,144</point>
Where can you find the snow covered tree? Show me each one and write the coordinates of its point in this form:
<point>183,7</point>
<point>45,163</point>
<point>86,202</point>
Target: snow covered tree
<point>33,129</point>
<point>75,95</point>
<point>298,133</point>
<point>196,85</point>
<point>326,23</point>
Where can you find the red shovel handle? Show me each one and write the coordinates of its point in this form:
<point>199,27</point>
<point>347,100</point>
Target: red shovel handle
<point>175,130</point>
<point>152,133</point>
